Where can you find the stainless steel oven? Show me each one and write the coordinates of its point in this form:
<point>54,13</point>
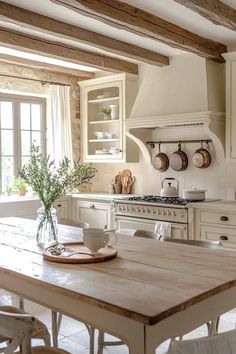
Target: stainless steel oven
<point>144,211</point>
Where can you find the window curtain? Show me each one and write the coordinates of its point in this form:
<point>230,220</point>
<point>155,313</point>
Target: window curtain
<point>59,139</point>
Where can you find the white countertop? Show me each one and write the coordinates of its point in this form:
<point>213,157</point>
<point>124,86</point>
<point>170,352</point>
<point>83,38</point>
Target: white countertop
<point>103,196</point>
<point>218,205</point>
<point>16,198</point>
<point>100,196</point>
<point>93,195</point>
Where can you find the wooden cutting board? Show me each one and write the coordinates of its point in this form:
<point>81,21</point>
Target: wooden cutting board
<point>125,176</point>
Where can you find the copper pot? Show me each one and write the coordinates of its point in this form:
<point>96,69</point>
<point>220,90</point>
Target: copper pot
<point>160,161</point>
<point>179,160</point>
<point>201,158</point>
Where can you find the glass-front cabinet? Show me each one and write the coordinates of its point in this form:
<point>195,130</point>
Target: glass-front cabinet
<point>104,106</point>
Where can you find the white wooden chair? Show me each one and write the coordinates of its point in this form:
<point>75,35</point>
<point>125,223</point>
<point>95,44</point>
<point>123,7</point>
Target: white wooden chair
<point>57,317</point>
<point>18,330</point>
<point>223,343</point>
<point>38,329</point>
<point>200,243</point>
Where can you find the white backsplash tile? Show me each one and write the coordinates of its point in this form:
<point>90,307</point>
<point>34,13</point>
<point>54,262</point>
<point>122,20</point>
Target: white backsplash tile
<point>216,179</point>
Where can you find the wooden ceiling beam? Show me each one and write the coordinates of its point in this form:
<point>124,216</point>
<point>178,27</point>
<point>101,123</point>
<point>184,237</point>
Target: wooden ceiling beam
<point>213,10</point>
<point>10,59</point>
<point>31,44</point>
<point>127,17</point>
<point>32,20</point>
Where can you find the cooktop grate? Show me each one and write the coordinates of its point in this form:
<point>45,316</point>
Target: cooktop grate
<point>157,199</point>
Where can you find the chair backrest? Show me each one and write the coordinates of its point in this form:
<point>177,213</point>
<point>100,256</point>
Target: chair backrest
<point>145,234</point>
<point>16,327</point>
<point>200,243</point>
<point>223,343</point>
<point>69,222</point>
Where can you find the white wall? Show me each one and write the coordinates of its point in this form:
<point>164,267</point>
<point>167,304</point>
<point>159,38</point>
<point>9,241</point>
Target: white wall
<point>189,84</point>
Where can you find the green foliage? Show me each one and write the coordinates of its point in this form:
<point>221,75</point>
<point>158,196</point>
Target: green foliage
<point>19,183</point>
<point>8,189</point>
<point>106,110</point>
<point>82,174</point>
<point>49,181</point>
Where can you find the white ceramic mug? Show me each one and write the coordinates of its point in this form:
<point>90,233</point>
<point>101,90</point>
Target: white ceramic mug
<point>94,239</point>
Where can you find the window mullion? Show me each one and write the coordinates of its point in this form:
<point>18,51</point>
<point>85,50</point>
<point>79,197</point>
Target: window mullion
<point>17,137</point>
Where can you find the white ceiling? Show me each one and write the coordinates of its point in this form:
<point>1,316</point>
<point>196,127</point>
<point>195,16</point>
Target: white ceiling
<point>166,9</point>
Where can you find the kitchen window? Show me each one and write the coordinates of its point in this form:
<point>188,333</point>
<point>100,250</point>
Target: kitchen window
<point>22,122</point>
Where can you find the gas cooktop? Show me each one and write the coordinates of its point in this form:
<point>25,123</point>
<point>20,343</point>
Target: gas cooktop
<point>162,200</point>
<point>156,199</point>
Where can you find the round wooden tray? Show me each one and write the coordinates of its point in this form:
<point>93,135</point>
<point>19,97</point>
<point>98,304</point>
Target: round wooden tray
<point>104,254</point>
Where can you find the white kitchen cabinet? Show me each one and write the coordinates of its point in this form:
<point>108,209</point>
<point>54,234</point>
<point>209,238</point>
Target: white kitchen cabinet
<point>230,105</point>
<point>96,213</point>
<point>103,135</point>
<point>216,225</point>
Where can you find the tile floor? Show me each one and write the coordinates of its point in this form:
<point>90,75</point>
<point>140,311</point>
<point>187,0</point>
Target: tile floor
<point>74,336</point>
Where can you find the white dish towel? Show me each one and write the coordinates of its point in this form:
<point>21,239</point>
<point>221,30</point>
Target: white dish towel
<point>162,229</point>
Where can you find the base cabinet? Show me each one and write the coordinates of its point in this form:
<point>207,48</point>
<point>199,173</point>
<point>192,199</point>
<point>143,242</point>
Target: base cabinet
<point>215,225</point>
<point>96,214</point>
<point>227,236</point>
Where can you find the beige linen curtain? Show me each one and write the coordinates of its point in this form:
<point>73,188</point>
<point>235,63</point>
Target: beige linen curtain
<point>59,140</point>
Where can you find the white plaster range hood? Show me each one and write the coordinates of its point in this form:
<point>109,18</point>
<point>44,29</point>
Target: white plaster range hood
<point>184,100</point>
<point>210,125</point>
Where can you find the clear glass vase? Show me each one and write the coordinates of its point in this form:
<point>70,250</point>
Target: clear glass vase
<point>46,226</point>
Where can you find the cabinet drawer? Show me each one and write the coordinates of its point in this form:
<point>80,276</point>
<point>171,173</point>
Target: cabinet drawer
<point>226,236</point>
<point>220,218</point>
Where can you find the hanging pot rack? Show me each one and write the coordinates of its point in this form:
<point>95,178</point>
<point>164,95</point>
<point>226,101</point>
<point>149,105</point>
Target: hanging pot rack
<point>153,143</point>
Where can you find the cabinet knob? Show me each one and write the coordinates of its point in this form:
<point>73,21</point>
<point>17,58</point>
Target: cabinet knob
<point>223,238</point>
<point>92,206</point>
<point>224,218</point>
<point>58,205</point>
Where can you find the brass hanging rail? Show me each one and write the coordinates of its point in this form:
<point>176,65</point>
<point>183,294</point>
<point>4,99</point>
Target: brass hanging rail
<point>153,143</point>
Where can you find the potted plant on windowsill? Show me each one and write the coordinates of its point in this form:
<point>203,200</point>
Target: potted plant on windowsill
<point>50,181</point>
<point>20,186</point>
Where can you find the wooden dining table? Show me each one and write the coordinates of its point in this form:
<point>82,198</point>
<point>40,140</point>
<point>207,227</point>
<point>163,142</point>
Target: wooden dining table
<point>149,292</point>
